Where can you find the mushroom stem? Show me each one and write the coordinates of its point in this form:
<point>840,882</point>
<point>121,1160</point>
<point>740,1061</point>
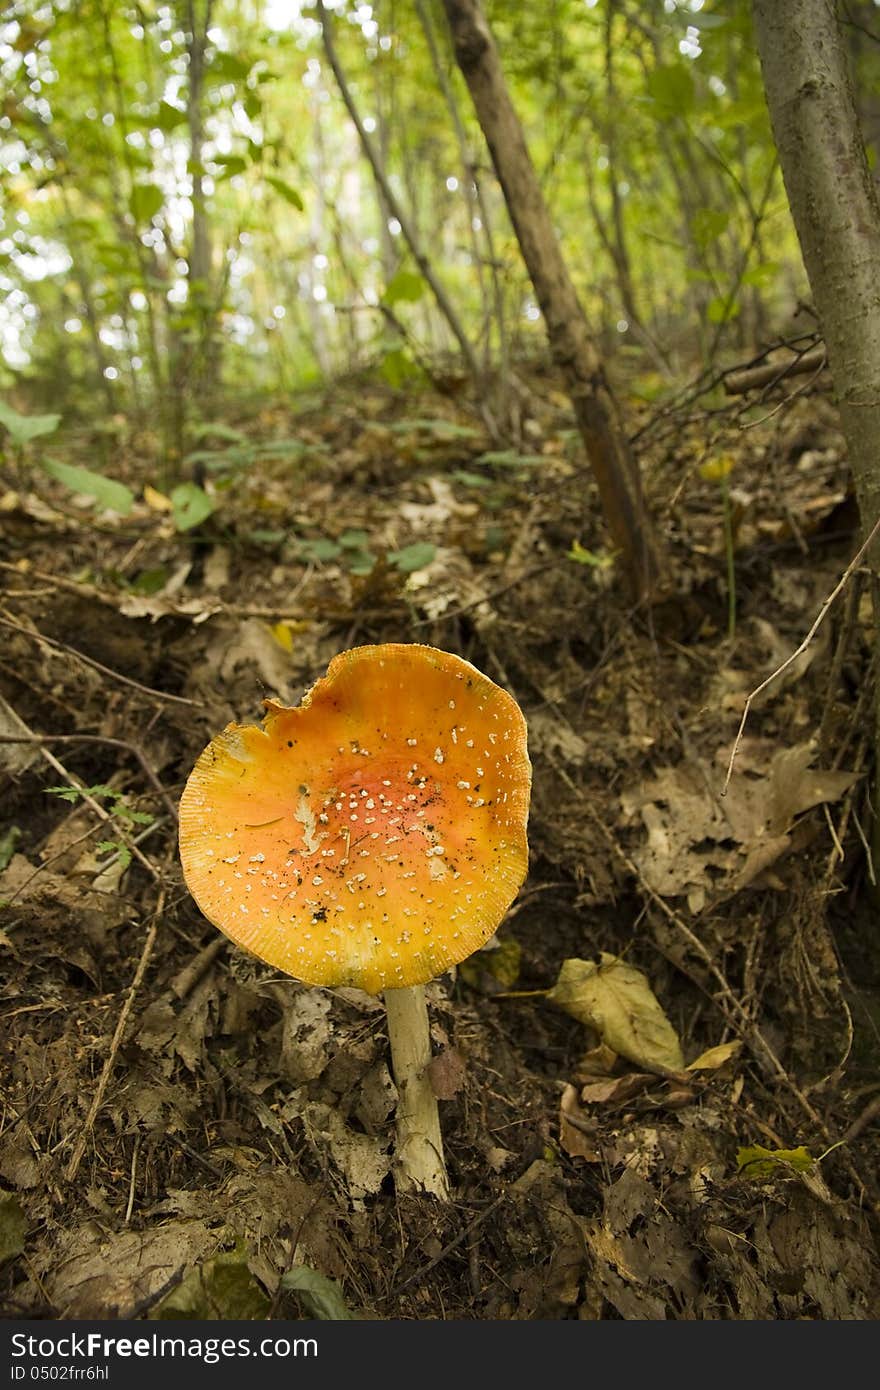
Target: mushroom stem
<point>421,1165</point>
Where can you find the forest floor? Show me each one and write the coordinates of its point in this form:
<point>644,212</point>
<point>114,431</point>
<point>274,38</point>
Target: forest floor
<point>182,1127</point>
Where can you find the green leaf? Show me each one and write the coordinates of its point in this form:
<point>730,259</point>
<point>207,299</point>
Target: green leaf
<point>13,1225</point>
<point>217,429</point>
<point>7,845</point>
<point>168,117</point>
<point>509,458</point>
<point>221,1288</point>
<point>146,200</point>
<point>321,548</point>
<point>192,506</point>
<point>762,274</point>
<point>99,792</point>
<point>757,1162</point>
<point>672,88</point>
<point>405,287</point>
<point>354,540</point>
<point>228,67</point>
<point>230,165</point>
<point>413,557</point>
<point>720,310</point>
<point>595,559</point>
<point>113,496</point>
<point>150,581</point>
<point>24,428</point>
<point>708,224</point>
<point>287,191</point>
<point>116,847</point>
<point>398,367</point>
<point>321,1297</point>
<point>360,562</point>
<point>461,475</point>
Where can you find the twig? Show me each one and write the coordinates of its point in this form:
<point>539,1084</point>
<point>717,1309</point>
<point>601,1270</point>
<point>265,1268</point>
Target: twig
<point>96,665</point>
<point>107,1070</point>
<point>107,742</point>
<point>99,810</point>
<point>820,617</point>
<point>131,1186</point>
<point>462,1236</point>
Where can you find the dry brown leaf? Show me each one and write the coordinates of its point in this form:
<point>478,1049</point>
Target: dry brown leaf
<point>699,843</point>
<point>617,1088</point>
<point>447,1072</point>
<point>574,1133</point>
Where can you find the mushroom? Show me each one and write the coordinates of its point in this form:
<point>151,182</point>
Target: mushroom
<point>373,836</point>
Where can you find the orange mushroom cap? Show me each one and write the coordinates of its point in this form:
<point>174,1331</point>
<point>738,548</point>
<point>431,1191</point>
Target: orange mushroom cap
<point>374,835</point>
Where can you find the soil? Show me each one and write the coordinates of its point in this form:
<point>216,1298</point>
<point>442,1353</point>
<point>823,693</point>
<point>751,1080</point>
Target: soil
<point>186,1133</point>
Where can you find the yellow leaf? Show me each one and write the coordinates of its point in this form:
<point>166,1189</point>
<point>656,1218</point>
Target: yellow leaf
<point>616,1000</point>
<point>283,636</point>
<point>157,501</point>
<point>714,1057</point>
<point>717,469</point>
<point>758,1162</point>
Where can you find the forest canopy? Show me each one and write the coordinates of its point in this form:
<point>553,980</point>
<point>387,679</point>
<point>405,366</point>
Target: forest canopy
<point>185,195</point>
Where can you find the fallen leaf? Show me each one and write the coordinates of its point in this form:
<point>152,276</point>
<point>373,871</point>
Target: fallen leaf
<point>321,1297</point>
<point>217,1289</point>
<point>616,1088</point>
<point>757,1162</point>
<point>616,1000</point>
<point>715,1057</point>
<point>13,1225</point>
<point>447,1072</point>
<point>574,1135</point>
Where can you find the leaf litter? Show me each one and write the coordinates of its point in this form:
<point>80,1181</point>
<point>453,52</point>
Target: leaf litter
<point>240,1161</point>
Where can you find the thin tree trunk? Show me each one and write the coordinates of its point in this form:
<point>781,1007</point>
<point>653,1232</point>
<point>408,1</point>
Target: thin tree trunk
<point>444,304</point>
<point>595,407</point>
<point>836,212</point>
<point>834,203</point>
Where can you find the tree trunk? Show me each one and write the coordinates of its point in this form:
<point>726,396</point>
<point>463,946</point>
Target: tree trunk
<point>836,213</point>
<point>595,407</point>
<point>407,227</point>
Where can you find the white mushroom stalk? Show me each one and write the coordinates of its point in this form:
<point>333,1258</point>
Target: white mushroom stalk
<point>373,836</point>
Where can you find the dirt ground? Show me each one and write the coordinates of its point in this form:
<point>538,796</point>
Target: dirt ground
<point>183,1129</point>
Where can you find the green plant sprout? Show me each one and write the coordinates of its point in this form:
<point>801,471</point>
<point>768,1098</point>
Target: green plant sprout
<point>718,470</point>
<point>118,809</point>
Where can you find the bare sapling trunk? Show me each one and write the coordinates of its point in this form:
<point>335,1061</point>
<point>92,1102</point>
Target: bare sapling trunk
<point>595,407</point>
<point>391,201</point>
<point>836,212</point>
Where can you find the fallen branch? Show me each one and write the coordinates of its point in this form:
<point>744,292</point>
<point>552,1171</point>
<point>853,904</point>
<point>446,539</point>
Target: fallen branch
<point>750,378</point>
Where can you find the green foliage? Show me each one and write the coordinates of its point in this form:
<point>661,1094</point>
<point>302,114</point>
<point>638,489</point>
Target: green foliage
<point>412,557</point>
<point>352,550</point>
<point>191,506</point>
<point>287,192</point>
<point>106,492</point>
<point>220,1288</point>
<point>120,812</point>
<point>757,1162</point>
<point>23,428</point>
<point>404,288</point>
<point>320,1297</point>
<point>647,125</point>
<point>8,841</point>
